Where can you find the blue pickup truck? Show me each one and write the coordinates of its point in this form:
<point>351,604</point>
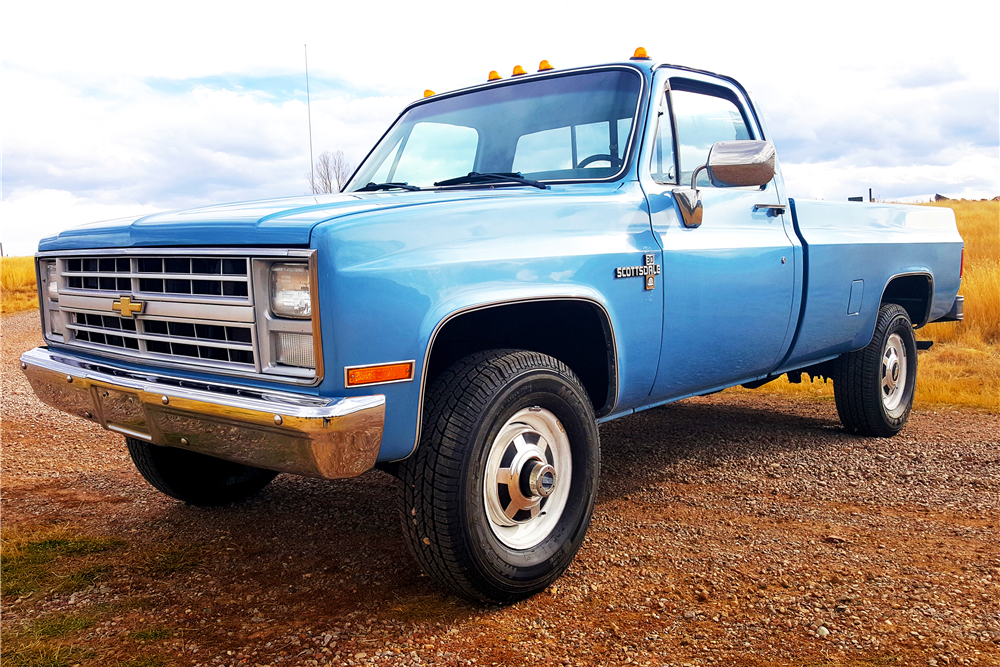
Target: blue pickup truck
<point>511,265</point>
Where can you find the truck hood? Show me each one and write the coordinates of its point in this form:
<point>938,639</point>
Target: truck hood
<point>273,222</point>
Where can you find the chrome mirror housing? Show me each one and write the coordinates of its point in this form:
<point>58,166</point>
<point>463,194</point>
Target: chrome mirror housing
<point>734,164</point>
<point>689,202</point>
<point>731,164</point>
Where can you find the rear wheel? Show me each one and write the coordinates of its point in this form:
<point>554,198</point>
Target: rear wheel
<point>874,386</point>
<point>195,478</point>
<point>498,496</point>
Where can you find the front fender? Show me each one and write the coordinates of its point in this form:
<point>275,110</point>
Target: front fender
<point>389,281</point>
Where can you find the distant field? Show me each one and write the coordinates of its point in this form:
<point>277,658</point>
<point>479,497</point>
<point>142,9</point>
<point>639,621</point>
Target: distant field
<point>17,284</point>
<point>962,368</point>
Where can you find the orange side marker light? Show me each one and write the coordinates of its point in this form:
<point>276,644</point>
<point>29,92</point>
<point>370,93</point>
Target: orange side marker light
<point>518,71</point>
<point>428,92</point>
<point>544,65</point>
<point>362,375</point>
<point>494,75</point>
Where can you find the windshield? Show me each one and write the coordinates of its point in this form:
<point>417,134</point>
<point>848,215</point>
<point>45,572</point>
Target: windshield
<point>555,128</point>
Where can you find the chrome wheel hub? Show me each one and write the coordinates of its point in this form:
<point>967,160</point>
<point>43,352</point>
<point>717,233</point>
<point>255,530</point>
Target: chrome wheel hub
<point>893,373</point>
<point>526,484</point>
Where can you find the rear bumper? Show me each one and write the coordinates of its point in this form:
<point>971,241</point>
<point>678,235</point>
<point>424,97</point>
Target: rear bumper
<point>957,312</point>
<point>303,435</point>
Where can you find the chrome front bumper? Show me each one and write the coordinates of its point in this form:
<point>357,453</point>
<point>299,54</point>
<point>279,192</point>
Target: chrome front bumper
<point>304,435</point>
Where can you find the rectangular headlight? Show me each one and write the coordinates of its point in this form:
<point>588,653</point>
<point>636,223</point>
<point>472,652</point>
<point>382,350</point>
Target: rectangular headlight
<point>290,290</point>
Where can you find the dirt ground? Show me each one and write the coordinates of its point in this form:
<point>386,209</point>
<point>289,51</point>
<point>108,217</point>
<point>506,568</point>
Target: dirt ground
<point>733,529</point>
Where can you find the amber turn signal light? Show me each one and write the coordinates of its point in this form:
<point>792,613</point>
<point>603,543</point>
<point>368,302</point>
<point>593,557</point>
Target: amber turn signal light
<point>640,54</point>
<point>544,65</point>
<point>362,375</point>
<point>494,75</point>
<point>518,71</point>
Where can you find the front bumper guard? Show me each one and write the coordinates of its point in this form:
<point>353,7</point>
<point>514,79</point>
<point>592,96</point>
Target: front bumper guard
<point>303,435</point>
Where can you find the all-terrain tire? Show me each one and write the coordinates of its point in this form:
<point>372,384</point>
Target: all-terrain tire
<point>457,510</point>
<point>874,386</point>
<point>195,478</point>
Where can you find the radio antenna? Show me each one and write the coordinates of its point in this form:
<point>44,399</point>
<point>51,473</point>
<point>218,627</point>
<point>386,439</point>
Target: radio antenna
<point>312,168</point>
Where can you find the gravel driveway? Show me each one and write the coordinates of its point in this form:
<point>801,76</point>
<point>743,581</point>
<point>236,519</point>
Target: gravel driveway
<point>733,529</point>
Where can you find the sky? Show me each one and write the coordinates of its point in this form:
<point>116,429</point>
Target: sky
<point>113,109</point>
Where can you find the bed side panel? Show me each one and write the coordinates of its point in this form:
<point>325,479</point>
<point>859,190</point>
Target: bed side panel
<point>848,242</point>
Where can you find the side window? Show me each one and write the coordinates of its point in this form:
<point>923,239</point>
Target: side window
<point>434,149</point>
<point>661,163</point>
<point>703,120</point>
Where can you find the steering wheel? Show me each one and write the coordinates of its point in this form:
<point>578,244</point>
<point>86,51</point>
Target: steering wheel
<point>595,158</point>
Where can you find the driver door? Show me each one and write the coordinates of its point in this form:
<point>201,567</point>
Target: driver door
<point>727,284</point>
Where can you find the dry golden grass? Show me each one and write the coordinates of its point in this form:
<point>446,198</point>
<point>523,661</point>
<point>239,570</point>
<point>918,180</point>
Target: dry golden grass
<point>963,367</point>
<point>17,284</point>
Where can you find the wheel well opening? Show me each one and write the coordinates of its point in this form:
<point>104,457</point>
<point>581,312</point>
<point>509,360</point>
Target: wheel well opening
<point>913,293</point>
<point>575,332</point>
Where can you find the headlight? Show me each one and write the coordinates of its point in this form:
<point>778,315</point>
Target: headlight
<point>52,280</point>
<point>290,290</point>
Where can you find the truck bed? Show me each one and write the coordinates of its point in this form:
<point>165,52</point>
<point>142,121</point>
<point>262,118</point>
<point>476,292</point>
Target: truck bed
<point>852,251</point>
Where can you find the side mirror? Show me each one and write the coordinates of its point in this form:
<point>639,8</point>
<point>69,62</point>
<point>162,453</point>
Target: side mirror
<point>731,164</point>
<point>740,163</point>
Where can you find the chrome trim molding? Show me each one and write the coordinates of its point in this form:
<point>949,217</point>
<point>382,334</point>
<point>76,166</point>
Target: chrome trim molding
<point>612,371</point>
<point>180,250</point>
<point>251,358</point>
<point>628,155</point>
<point>303,435</point>
<point>930,297</point>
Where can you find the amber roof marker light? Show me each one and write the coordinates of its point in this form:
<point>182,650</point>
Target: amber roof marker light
<point>494,75</point>
<point>640,54</point>
<point>544,65</point>
<point>518,71</point>
<point>428,92</point>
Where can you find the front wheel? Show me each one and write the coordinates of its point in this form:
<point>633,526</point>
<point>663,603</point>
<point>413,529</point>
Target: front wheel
<point>196,478</point>
<point>874,386</point>
<point>497,498</point>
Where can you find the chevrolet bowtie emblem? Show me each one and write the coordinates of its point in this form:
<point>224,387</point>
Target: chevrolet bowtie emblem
<point>125,305</point>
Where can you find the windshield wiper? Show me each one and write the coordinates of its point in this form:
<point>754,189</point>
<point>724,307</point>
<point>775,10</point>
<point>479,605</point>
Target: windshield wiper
<point>387,186</point>
<point>475,178</point>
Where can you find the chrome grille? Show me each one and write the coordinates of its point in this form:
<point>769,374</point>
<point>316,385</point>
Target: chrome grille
<point>226,277</point>
<point>188,302</point>
<point>200,309</point>
<point>215,343</point>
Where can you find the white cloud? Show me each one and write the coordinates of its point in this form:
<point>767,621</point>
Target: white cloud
<point>972,177</point>
<point>172,150</point>
<point>29,215</point>
<point>115,107</point>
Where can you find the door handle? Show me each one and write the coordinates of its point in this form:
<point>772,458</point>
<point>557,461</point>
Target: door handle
<point>772,209</point>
